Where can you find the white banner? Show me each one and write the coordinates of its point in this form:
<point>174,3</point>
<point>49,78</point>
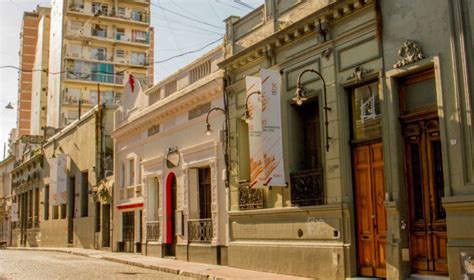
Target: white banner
<point>271,133</point>
<point>58,179</point>
<point>14,212</point>
<point>253,84</point>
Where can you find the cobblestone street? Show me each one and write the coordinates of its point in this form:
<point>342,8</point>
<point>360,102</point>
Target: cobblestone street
<point>54,265</point>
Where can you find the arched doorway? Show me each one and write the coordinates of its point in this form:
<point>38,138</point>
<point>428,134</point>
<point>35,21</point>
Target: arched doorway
<point>170,240</point>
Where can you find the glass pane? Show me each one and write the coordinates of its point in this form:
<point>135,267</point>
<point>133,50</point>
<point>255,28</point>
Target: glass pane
<point>420,95</point>
<point>366,117</point>
<point>416,181</point>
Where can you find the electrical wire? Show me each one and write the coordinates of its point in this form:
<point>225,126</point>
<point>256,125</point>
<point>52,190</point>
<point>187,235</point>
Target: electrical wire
<point>190,52</point>
<point>186,17</point>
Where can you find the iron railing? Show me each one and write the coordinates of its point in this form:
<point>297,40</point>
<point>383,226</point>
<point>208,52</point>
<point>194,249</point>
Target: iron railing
<point>250,198</point>
<point>152,231</point>
<point>307,187</point>
<point>200,230</point>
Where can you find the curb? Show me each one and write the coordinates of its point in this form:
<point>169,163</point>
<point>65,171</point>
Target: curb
<point>196,275</point>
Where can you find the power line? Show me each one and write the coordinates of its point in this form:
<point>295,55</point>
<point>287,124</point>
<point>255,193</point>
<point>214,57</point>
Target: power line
<point>160,17</point>
<point>186,17</point>
<point>229,5</point>
<point>240,2</point>
<point>190,52</point>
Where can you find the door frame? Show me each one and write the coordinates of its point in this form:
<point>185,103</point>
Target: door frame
<point>170,216</point>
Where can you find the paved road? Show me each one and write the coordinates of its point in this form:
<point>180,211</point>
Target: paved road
<point>51,265</point>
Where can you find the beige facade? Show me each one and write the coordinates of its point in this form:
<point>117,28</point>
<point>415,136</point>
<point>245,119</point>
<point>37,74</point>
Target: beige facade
<point>170,191</point>
<point>6,166</point>
<point>60,208</point>
<point>94,46</point>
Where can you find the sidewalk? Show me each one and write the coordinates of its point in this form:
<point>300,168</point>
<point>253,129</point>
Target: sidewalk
<point>195,270</point>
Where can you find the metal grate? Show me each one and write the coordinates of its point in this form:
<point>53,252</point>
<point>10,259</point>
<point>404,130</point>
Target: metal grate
<point>250,198</point>
<point>152,231</point>
<point>200,230</point>
<point>307,187</point>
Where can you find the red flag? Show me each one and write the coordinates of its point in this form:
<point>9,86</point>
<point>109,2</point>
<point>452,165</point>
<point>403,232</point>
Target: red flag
<point>131,81</point>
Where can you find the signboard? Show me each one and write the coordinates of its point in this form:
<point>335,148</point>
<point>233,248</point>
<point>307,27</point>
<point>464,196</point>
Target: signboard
<point>253,84</point>
<point>58,179</point>
<point>265,134</point>
<point>271,129</point>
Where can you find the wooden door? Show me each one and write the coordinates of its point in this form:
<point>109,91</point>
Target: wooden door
<point>369,201</point>
<point>171,205</point>
<point>425,188</point>
<point>128,230</point>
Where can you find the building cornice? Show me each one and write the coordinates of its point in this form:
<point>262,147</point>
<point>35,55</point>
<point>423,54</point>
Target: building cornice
<point>307,25</point>
<point>187,98</point>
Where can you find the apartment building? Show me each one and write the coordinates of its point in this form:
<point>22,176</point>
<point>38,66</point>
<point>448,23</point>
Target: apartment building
<point>94,45</point>
<point>28,39</point>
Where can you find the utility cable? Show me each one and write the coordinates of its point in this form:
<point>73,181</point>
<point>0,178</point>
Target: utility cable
<point>186,17</point>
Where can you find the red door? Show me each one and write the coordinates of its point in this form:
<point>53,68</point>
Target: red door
<point>170,204</point>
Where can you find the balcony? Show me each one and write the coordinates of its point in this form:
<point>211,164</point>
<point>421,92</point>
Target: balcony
<point>250,198</point>
<point>96,77</point>
<point>152,231</point>
<point>307,187</point>
<point>112,13</point>
<point>200,230</point>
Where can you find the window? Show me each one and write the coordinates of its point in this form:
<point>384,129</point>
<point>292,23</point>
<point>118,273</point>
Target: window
<point>99,8</point>
<point>76,25</point>
<point>37,202</point>
<point>55,212</point>
<point>366,117</point>
<point>140,37</point>
<point>85,194</point>
<point>102,72</point>
<point>204,177</point>
<point>72,95</point>
<point>138,58</point>
<point>122,181</point>
<point>46,202</point>
<point>99,53</point>
<point>418,92</point>
<point>199,110</point>
<point>120,34</point>
<point>306,180</point>
<point>63,210</point>
<point>138,15</point>
<point>131,172</point>
<point>120,53</point>
<point>121,12</point>
<point>99,30</point>
<point>70,116</point>
<point>75,50</point>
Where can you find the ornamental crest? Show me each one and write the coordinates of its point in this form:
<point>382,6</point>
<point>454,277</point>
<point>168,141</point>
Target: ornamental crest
<point>410,52</point>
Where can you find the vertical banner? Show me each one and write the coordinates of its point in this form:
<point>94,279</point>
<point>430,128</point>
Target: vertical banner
<point>58,179</point>
<point>253,84</point>
<point>274,174</point>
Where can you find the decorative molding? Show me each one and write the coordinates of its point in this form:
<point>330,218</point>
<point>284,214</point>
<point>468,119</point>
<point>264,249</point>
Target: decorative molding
<point>408,53</point>
<point>327,53</point>
<point>359,73</point>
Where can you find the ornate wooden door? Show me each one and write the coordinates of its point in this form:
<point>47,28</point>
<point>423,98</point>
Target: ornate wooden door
<point>425,185</point>
<point>369,201</point>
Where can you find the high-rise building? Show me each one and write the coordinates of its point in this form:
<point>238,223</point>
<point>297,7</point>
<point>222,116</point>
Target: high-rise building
<point>93,49</point>
<point>39,87</point>
<point>28,40</point>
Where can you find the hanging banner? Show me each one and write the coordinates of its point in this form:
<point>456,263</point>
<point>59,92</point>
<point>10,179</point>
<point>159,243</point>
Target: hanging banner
<point>253,84</point>
<point>274,174</point>
<point>58,179</point>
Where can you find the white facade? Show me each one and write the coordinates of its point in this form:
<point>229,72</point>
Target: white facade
<point>163,138</point>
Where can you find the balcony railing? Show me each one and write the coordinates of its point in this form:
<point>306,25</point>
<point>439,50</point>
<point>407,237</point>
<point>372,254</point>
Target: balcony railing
<point>200,230</point>
<point>307,187</point>
<point>141,16</point>
<point>250,198</point>
<point>96,77</point>
<point>152,231</point>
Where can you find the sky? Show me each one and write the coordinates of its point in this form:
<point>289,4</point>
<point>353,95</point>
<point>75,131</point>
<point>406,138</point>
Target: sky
<point>174,35</point>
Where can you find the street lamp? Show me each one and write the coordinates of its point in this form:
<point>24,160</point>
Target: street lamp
<point>208,130</point>
<point>300,98</point>
<point>248,117</point>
